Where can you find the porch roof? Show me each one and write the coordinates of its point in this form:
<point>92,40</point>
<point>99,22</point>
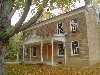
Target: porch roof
<point>32,39</point>
<point>38,39</point>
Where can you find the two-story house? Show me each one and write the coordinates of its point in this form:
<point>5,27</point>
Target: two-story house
<point>71,38</point>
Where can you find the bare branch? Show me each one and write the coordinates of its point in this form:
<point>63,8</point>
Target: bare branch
<point>24,15</point>
<point>12,13</point>
<point>34,18</point>
<point>1,7</point>
<point>29,23</point>
<point>87,2</point>
<point>21,20</point>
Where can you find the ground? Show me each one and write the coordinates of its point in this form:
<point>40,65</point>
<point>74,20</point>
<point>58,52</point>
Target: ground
<point>43,69</point>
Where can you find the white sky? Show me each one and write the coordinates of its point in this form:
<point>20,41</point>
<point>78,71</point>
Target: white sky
<point>16,16</point>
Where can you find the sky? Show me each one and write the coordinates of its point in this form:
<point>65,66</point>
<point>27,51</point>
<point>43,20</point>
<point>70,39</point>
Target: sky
<point>16,16</point>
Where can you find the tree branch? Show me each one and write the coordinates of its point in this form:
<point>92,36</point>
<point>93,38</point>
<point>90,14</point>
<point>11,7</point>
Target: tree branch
<point>19,27</point>
<point>31,21</point>
<point>24,15</point>
<point>1,7</point>
<point>12,13</point>
<point>87,2</point>
<point>34,18</point>
<point>21,20</point>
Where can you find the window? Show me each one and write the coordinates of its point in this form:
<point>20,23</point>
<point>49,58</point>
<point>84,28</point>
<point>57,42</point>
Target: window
<point>99,15</point>
<point>60,49</point>
<point>26,51</point>
<point>60,28</point>
<point>98,18</point>
<point>34,51</point>
<point>75,47</point>
<point>73,25</point>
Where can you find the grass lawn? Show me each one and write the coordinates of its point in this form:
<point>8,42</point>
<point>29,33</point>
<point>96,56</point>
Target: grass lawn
<point>29,69</point>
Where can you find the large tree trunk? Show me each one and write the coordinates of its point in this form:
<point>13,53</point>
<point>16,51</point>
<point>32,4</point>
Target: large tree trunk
<point>5,23</point>
<point>2,50</point>
<point>87,2</point>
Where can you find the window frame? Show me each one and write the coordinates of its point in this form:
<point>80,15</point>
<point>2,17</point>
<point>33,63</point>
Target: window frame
<point>72,26</point>
<point>59,30</point>
<point>32,51</point>
<point>72,54</point>
<point>98,15</point>
<point>59,50</point>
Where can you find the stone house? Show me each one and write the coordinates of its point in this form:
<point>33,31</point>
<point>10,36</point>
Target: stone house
<point>71,38</point>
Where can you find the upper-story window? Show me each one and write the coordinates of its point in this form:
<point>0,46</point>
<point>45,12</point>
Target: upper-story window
<point>60,29</point>
<point>75,47</point>
<point>98,15</point>
<point>73,24</point>
<point>60,49</point>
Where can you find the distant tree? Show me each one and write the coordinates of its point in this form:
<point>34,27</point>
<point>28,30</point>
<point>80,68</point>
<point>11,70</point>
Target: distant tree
<point>13,47</point>
<point>95,2</point>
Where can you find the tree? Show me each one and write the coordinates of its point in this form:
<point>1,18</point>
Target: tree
<point>95,2</point>
<point>13,47</point>
<point>8,8</point>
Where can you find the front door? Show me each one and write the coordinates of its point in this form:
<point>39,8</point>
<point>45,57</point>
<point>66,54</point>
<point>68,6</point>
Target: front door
<point>49,52</point>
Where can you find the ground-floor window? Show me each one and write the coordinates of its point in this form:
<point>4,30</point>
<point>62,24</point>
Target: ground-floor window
<point>34,51</point>
<point>60,49</point>
<point>75,47</point>
<point>26,51</point>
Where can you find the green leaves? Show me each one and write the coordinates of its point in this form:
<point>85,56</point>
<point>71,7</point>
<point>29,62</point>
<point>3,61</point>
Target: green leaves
<point>20,3</point>
<point>60,3</point>
<point>96,1</point>
<point>13,47</point>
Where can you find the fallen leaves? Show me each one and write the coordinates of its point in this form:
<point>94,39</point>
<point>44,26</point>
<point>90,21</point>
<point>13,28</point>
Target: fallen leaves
<point>30,69</point>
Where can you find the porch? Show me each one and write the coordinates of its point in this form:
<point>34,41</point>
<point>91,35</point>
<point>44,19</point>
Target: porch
<point>45,51</point>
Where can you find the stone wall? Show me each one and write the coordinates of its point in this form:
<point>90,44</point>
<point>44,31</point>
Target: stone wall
<point>93,36</point>
<point>81,37</point>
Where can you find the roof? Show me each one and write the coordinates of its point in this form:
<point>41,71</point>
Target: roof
<point>57,18</point>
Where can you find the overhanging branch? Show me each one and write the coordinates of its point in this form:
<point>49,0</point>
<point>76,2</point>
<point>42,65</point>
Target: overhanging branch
<point>32,21</point>
<point>24,15</point>
<point>21,20</point>
<point>34,18</point>
<point>12,13</point>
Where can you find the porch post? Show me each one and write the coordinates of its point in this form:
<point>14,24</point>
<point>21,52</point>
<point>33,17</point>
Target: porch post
<point>30,53</point>
<point>52,52</point>
<point>47,51</point>
<point>41,51</point>
<point>17,57</point>
<point>65,51</point>
<point>23,52</point>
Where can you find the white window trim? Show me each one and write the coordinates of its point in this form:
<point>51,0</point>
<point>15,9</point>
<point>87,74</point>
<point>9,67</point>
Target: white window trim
<point>98,18</point>
<point>97,15</point>
<point>26,51</point>
<point>71,26</point>
<point>36,52</point>
<point>57,28</point>
<point>58,51</point>
<point>72,50</point>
